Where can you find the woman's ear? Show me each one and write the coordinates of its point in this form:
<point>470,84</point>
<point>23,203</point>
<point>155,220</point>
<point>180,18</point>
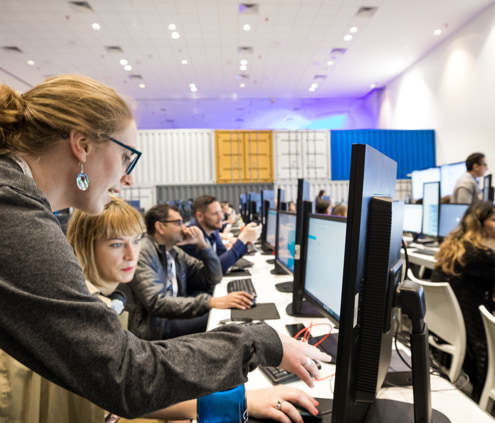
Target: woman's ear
<point>79,144</point>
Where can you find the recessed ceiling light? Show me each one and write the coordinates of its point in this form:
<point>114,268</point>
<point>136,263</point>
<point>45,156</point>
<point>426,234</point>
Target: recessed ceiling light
<point>30,62</point>
<point>142,86</point>
<point>175,35</point>
<point>243,67</point>
<point>172,27</point>
<point>437,32</point>
<point>192,85</point>
<point>123,62</point>
<point>242,85</point>
<point>314,85</point>
<point>184,61</point>
<point>348,37</point>
<point>128,67</point>
<point>353,30</point>
<point>372,86</point>
<point>330,62</point>
<point>246,27</point>
<point>194,89</point>
<point>244,62</point>
<point>96,26</point>
<point>312,89</point>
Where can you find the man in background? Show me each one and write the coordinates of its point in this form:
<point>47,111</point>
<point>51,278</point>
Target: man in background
<point>163,299</point>
<point>467,190</point>
<point>208,216</point>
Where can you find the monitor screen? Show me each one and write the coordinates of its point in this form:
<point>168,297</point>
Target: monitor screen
<point>450,216</point>
<point>420,177</point>
<point>325,248</point>
<point>413,218</point>
<point>286,239</point>
<point>449,174</point>
<point>271,222</point>
<point>431,202</point>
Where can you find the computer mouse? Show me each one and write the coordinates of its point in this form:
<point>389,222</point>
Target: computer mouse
<point>307,416</point>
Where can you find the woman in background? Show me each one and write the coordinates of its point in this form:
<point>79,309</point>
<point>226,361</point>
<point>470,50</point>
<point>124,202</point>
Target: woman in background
<point>467,260</point>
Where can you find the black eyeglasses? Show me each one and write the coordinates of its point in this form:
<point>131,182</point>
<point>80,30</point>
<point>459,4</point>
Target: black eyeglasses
<point>178,222</point>
<point>134,156</point>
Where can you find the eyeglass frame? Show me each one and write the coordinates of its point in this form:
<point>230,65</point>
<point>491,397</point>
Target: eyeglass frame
<point>132,164</point>
<point>178,222</point>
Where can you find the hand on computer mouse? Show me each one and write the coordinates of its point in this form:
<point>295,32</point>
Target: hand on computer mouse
<point>299,358</point>
<point>237,299</point>
<point>277,403</point>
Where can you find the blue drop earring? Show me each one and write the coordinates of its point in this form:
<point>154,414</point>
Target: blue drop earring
<point>82,179</point>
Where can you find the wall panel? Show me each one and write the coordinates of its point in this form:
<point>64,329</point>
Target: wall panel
<point>175,157</point>
<point>227,192</point>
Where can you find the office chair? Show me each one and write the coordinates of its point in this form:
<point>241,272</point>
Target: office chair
<point>445,321</point>
<point>488,395</point>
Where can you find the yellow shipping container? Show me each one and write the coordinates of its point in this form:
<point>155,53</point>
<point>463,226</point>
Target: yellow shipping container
<point>243,156</point>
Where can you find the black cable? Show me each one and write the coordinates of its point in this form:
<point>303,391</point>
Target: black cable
<point>404,246</point>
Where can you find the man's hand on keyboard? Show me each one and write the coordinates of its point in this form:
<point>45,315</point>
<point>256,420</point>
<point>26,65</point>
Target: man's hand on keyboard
<point>237,299</point>
<point>298,358</point>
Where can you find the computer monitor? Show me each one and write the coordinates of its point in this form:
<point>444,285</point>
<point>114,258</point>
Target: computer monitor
<point>266,195</point>
<point>323,266</point>
<point>270,225</point>
<point>450,217</point>
<point>488,188</point>
<point>420,177</point>
<point>431,203</point>
<point>371,291</point>
<point>285,242</point>
<point>243,208</point>
<point>449,174</point>
<point>254,206</point>
<point>299,307</point>
<point>280,197</point>
<point>413,218</point>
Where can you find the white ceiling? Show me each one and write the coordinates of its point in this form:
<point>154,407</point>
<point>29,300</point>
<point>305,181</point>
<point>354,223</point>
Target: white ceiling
<point>291,43</point>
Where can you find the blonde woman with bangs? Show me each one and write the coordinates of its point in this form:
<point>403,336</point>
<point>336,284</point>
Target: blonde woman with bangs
<point>467,260</point>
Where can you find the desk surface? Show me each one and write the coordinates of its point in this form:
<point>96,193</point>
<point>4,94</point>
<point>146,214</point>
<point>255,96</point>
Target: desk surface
<point>445,397</point>
<point>418,258</point>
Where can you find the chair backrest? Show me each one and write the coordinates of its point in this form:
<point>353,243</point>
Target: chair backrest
<point>489,323</point>
<point>443,313</point>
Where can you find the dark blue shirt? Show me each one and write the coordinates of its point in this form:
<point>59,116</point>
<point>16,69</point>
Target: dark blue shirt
<point>227,257</point>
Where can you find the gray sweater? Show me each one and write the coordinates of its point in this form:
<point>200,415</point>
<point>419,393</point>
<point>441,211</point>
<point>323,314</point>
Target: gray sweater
<point>50,322</point>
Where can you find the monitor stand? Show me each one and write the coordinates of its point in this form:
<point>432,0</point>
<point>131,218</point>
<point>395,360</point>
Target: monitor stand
<point>284,286</point>
<point>270,261</point>
<point>307,310</point>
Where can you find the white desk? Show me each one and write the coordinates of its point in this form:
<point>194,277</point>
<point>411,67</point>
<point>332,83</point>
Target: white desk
<point>445,398</point>
<point>419,259</point>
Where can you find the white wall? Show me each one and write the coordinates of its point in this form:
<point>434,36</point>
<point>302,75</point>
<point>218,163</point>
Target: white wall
<point>451,90</point>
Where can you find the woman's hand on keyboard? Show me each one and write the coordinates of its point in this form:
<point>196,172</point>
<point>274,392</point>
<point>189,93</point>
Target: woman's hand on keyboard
<point>262,403</point>
<point>237,299</point>
<point>295,358</point>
